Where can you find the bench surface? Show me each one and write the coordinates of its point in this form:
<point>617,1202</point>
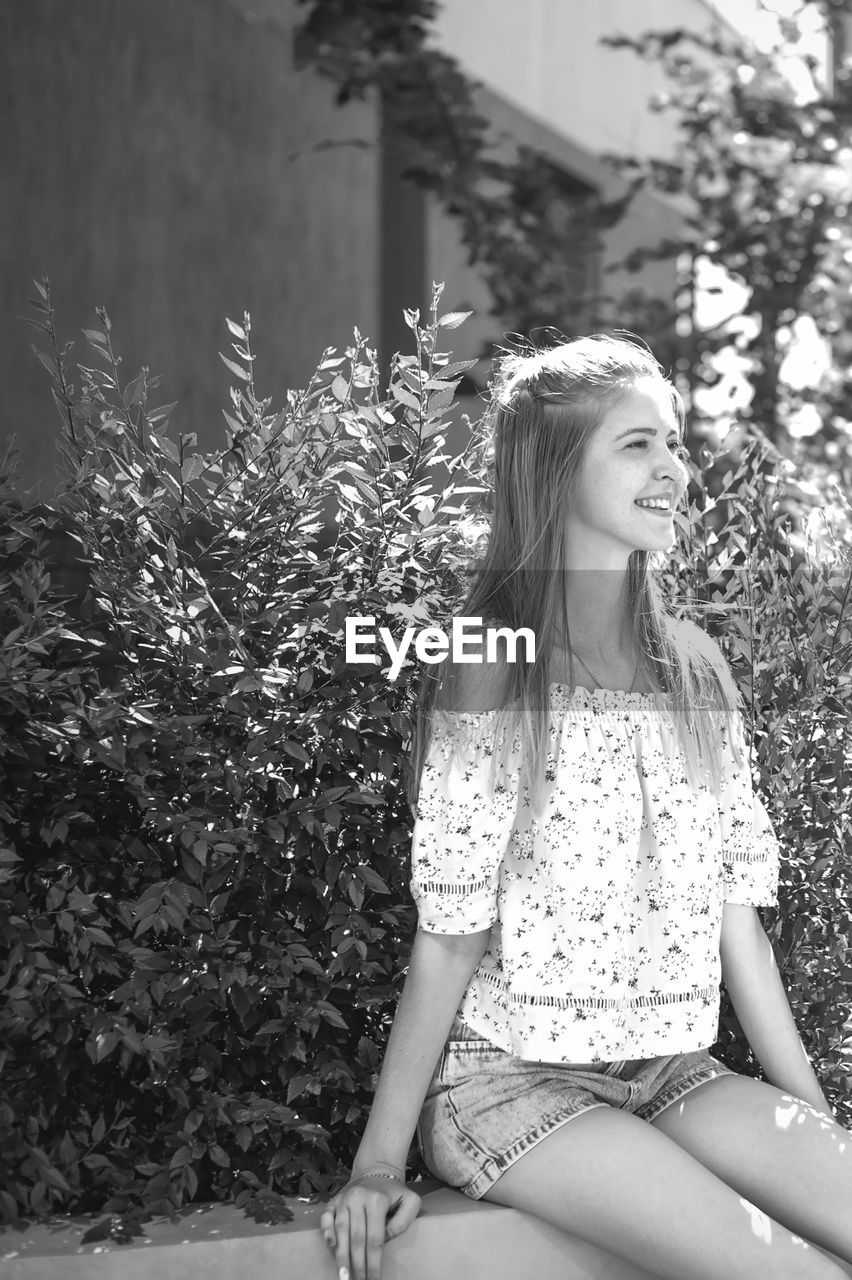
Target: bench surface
<point>453,1236</point>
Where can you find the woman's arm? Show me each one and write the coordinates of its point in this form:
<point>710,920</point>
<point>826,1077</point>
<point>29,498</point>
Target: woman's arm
<point>356,1221</point>
<point>754,985</point>
<point>438,975</point>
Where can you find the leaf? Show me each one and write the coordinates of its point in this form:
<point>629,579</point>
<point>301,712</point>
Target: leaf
<point>99,936</point>
<point>237,330</point>
<point>235,368</point>
<point>95,1161</point>
<point>9,1206</point>
<point>168,447</point>
<point>105,1044</point>
<point>161,414</point>
<point>297,1085</point>
<point>121,1228</point>
<point>404,396</point>
<point>454,369</point>
<point>43,358</point>
<point>136,392</point>
<point>453,319</point>
<point>371,878</point>
<point>53,1177</point>
<point>193,466</point>
<point>268,1208</point>
<point>99,1231</point>
<point>219,1156</point>
<point>241,1001</point>
<point>440,400</point>
<point>331,1016</point>
<point>193,1121</point>
<point>243,1137</point>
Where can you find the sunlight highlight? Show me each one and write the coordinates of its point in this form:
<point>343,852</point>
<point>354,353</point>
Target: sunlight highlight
<point>762,23</point>
<point>761,1223</point>
<point>784,1116</point>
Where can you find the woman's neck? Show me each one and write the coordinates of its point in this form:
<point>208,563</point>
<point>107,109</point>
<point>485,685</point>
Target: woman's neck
<point>598,623</point>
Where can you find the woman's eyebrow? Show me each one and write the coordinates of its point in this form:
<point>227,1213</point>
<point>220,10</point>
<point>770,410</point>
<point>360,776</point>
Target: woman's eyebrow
<point>647,431</point>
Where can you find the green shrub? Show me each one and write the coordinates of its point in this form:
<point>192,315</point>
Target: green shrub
<point>204,912</point>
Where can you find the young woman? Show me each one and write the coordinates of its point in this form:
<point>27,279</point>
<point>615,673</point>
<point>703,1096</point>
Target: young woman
<point>588,855</point>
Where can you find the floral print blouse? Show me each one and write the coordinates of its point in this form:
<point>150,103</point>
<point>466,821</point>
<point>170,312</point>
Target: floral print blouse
<point>605,911</point>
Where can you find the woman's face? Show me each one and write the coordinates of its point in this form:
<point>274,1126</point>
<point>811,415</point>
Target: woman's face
<point>633,458</point>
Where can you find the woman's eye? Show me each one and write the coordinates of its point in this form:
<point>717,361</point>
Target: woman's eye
<point>677,447</point>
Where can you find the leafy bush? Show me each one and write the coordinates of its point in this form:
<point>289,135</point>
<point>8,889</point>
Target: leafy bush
<point>766,567</point>
<point>204,904</point>
<point>203,826</point>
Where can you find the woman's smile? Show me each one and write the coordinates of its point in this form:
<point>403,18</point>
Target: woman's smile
<point>662,509</point>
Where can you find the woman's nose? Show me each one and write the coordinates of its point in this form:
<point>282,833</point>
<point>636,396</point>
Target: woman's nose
<point>668,467</point>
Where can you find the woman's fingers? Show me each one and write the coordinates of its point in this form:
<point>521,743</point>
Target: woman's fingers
<point>327,1228</point>
<point>355,1262</point>
<point>341,1238</point>
<point>409,1207</point>
<point>367,1240</point>
<point>359,1224</point>
<point>357,1227</point>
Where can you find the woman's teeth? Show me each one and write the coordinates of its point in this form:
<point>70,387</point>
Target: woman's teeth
<point>654,504</point>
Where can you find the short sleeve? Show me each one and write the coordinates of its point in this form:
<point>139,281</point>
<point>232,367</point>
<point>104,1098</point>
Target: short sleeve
<point>750,856</point>
<point>461,824</point>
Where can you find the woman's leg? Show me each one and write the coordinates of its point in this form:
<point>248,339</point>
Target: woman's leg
<point>623,1185</point>
<point>784,1156</point>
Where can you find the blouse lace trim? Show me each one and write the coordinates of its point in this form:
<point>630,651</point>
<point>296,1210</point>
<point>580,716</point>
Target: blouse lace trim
<point>648,1001</point>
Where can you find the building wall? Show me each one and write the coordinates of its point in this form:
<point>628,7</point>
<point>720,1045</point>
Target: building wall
<point>545,57</point>
<point>166,160</point>
<point>548,82</point>
<point>160,159</point>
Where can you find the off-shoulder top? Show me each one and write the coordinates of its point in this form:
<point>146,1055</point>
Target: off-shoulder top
<point>605,910</point>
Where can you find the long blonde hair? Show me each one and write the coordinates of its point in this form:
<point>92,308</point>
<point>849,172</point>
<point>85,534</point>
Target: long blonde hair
<point>545,408</point>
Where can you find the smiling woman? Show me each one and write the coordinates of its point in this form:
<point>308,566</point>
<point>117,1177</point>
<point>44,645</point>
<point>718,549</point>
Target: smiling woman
<point>588,856</point>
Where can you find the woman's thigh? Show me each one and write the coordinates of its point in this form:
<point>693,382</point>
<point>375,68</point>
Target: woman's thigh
<point>790,1160</point>
<point>625,1186</point>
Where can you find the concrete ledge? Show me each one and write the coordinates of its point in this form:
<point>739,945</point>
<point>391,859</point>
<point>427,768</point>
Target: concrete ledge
<point>453,1236</point>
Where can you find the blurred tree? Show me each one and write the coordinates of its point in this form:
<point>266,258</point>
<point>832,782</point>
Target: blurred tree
<point>763,176</point>
<point>530,226</point>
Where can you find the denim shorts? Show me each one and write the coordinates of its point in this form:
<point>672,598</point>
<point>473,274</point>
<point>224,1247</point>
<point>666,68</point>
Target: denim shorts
<point>485,1108</point>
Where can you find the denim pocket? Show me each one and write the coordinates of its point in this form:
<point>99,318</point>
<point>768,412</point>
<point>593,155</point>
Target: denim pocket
<point>464,1058</point>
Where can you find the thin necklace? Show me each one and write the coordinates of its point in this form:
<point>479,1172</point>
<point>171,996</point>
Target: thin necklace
<point>594,677</point>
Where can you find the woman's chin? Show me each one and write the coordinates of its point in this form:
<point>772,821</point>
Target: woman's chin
<point>664,542</point>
